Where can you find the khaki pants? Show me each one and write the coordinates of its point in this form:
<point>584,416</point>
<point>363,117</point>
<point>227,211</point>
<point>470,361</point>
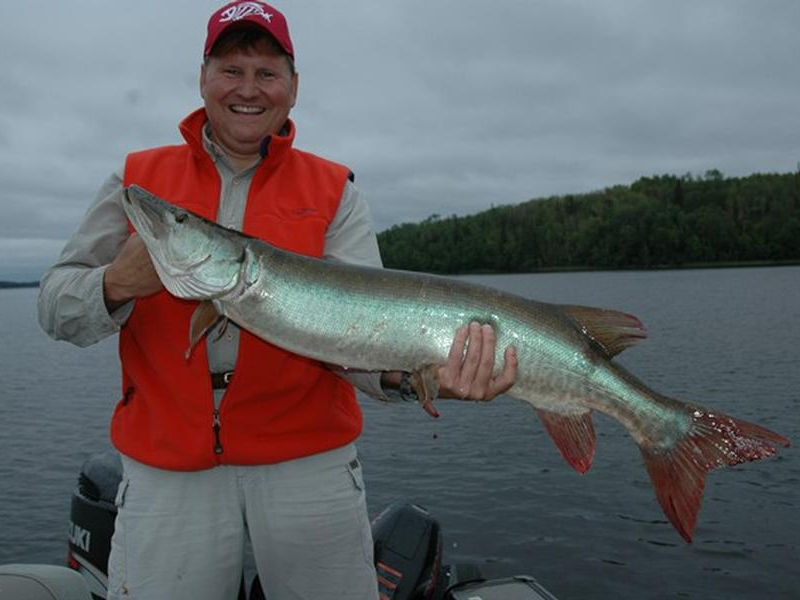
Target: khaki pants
<point>182,534</point>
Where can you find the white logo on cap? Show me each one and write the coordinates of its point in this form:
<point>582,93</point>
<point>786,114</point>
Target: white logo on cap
<point>246,9</point>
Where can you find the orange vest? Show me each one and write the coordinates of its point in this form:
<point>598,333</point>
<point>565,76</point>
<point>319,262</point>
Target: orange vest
<point>279,405</point>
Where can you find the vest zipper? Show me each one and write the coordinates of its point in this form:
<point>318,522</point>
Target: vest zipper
<point>216,427</point>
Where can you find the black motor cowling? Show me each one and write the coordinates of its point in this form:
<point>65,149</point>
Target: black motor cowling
<point>408,553</point>
<point>92,515</point>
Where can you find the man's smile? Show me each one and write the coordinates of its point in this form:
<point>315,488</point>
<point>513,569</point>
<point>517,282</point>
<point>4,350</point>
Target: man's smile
<point>247,109</point>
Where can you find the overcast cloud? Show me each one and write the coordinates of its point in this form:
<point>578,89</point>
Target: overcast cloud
<point>447,106</point>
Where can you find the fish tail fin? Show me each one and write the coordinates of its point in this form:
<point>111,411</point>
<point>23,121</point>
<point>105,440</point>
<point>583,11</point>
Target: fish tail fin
<point>573,435</point>
<point>713,440</point>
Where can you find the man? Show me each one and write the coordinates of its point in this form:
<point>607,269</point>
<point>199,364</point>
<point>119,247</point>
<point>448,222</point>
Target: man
<point>241,439</point>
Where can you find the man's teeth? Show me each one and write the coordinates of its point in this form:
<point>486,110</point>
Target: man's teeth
<point>250,110</point>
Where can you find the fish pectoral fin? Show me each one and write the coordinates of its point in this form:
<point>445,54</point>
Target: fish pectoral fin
<point>425,382</point>
<point>573,434</point>
<point>612,330</point>
<point>204,317</point>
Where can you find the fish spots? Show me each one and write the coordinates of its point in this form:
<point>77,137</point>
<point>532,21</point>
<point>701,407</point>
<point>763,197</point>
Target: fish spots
<point>560,383</point>
<point>352,330</point>
<point>378,330</point>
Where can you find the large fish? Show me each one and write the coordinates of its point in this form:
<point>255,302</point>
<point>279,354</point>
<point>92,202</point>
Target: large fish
<point>378,319</point>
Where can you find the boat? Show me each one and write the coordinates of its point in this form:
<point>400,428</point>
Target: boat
<point>408,554</point>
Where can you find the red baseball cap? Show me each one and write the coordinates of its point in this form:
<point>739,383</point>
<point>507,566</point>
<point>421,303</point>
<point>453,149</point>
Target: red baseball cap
<point>265,16</point>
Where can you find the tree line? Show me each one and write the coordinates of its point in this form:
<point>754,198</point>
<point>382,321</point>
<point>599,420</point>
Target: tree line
<point>657,222</point>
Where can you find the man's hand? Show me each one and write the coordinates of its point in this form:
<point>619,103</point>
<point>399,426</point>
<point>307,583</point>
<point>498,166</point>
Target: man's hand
<point>131,275</point>
<point>467,375</point>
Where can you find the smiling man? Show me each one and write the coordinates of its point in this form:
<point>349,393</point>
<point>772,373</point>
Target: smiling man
<point>241,440</point>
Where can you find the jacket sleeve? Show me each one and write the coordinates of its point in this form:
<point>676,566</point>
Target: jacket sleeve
<point>350,237</point>
<point>71,304</point>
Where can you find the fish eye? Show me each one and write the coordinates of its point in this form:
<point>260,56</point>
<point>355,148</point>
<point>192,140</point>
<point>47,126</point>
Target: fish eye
<point>180,217</point>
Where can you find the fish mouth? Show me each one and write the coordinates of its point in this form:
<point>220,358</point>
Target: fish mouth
<point>154,219</point>
<point>142,210</point>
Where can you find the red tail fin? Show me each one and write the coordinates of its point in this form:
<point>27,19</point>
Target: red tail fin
<point>713,441</point>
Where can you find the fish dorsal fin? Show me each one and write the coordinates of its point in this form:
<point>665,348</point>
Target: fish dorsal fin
<point>612,330</point>
<point>204,317</point>
<point>573,434</point>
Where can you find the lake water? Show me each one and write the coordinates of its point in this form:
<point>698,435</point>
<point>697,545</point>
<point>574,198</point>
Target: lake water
<point>729,339</point>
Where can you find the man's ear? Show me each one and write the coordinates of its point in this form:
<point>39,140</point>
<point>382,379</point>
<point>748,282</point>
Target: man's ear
<point>202,81</point>
<point>295,84</point>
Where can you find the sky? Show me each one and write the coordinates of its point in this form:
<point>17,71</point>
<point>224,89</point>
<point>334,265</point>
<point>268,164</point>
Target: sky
<point>438,106</point>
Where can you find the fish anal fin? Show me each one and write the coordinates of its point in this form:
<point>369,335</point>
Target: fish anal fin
<point>613,330</point>
<point>573,435</point>
<point>204,317</point>
<point>714,440</point>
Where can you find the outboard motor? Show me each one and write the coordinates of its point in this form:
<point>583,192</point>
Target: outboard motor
<point>91,523</point>
<point>408,553</point>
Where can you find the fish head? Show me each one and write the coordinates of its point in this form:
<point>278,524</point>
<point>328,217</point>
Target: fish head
<point>195,258</point>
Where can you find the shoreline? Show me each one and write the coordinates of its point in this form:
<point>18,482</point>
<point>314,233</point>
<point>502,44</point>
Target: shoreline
<point>687,267</point>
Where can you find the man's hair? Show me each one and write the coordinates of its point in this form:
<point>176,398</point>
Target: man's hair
<point>247,37</point>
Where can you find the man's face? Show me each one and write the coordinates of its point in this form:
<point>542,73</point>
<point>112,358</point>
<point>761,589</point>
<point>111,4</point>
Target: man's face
<point>248,96</point>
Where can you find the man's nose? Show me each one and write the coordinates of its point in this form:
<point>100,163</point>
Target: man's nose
<point>247,86</point>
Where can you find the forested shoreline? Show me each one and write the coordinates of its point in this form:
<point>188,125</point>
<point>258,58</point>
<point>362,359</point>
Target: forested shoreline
<point>664,221</point>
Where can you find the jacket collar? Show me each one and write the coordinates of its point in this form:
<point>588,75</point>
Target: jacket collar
<point>273,148</point>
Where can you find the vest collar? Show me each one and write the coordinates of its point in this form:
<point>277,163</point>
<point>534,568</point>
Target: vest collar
<point>273,148</point>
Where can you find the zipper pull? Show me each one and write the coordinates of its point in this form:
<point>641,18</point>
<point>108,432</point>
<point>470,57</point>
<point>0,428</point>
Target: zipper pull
<point>216,427</point>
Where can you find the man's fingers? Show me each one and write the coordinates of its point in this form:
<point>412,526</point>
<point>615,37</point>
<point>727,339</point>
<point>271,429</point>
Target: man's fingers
<point>503,382</point>
<point>456,354</point>
<point>482,381</point>
<point>472,360</point>
<point>468,373</point>
<point>449,372</point>
<point>131,274</point>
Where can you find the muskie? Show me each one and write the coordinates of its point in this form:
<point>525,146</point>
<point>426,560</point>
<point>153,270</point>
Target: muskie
<point>384,320</point>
